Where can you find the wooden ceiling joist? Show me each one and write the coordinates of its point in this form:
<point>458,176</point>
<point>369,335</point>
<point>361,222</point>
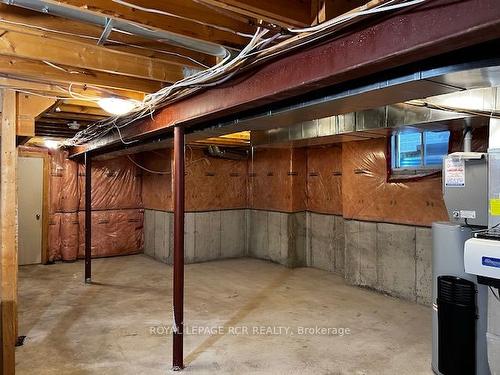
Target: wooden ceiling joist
<point>61,91</point>
<point>16,41</point>
<point>32,69</point>
<point>284,13</point>
<point>84,32</point>
<point>183,23</point>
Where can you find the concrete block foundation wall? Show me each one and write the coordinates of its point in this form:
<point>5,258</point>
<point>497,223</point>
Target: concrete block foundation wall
<point>209,235</point>
<point>393,259</point>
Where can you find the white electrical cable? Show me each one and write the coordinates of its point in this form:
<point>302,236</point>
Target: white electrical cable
<point>348,16</point>
<point>163,13</point>
<point>255,52</point>
<point>112,41</point>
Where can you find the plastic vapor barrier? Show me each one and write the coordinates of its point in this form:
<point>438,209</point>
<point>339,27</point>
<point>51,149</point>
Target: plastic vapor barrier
<point>117,214</point>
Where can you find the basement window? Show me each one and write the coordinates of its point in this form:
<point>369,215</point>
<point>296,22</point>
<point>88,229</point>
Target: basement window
<point>414,153</point>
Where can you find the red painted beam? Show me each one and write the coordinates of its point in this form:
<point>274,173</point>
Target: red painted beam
<point>431,29</point>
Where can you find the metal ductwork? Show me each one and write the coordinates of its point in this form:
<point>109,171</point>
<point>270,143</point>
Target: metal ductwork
<point>226,153</point>
<point>108,24</point>
<point>474,83</point>
<point>373,123</point>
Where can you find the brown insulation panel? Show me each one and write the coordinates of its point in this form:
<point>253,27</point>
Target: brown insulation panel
<point>367,195</point>
<point>114,232</point>
<point>157,188</point>
<point>117,215</point>
<point>116,184</point>
<point>54,237</point>
<point>214,183</point>
<point>277,179</point>
<point>211,183</point>
<point>324,180</point>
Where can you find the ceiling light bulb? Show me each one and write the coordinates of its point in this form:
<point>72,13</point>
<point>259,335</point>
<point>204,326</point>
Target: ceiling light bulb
<point>49,143</point>
<point>117,106</point>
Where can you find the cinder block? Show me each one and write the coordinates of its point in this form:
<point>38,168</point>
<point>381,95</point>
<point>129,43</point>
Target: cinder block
<point>396,261</point>
<point>233,231</point>
<point>423,243</point>
<point>258,234</point>
<point>162,235</point>
<point>367,243</point>
<point>149,232</point>
<point>352,252</point>
<point>207,236</point>
<point>338,245</point>
<point>274,236</point>
<point>321,236</point>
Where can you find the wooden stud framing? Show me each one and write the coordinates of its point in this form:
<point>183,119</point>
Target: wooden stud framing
<point>8,217</point>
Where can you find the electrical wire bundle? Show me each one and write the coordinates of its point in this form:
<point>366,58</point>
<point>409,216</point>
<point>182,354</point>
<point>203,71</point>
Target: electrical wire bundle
<point>260,49</point>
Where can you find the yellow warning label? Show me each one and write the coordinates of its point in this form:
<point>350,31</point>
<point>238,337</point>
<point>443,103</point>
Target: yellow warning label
<point>495,207</point>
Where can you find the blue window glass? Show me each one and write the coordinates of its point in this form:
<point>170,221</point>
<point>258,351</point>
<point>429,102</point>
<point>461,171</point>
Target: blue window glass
<point>410,150</point>
<point>436,146</point>
<point>414,150</point>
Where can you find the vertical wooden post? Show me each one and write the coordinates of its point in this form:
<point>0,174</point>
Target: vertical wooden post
<point>88,218</point>
<point>8,217</point>
<point>178,285</point>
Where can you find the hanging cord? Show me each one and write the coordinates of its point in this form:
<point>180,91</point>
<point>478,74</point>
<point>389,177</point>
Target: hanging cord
<point>190,163</point>
<point>259,50</point>
<point>497,296</point>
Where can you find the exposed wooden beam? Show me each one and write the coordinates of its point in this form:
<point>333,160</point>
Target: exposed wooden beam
<point>28,108</point>
<point>79,109</point>
<point>56,90</point>
<point>324,10</point>
<point>74,116</point>
<point>280,12</point>
<point>178,25</point>
<point>367,50</point>
<point>16,41</point>
<point>90,33</point>
<point>8,247</point>
<point>37,70</point>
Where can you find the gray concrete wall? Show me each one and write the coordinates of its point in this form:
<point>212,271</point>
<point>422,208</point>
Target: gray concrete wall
<point>277,236</point>
<point>208,235</point>
<point>394,259</point>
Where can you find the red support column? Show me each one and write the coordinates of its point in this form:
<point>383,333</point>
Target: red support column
<point>178,285</point>
<point>88,218</point>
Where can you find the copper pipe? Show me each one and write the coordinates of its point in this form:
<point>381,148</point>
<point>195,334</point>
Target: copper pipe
<point>178,285</point>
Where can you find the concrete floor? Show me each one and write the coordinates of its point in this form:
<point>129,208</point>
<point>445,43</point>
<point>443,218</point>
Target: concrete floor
<point>105,328</point>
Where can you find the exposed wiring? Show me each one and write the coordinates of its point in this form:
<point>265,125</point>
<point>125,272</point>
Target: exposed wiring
<point>61,68</point>
<point>497,296</point>
<point>259,50</point>
<point>351,15</point>
<point>109,41</point>
<point>147,169</point>
<point>165,172</point>
<point>486,229</point>
<point>163,13</point>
